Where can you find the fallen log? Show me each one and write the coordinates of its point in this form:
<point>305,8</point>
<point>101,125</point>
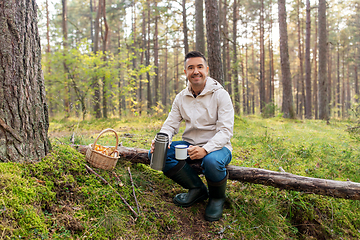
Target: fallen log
<point>281,180</point>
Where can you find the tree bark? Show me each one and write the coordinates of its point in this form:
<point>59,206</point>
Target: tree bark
<point>300,89</point>
<point>337,99</point>
<point>24,119</point>
<point>65,45</point>
<point>262,89</point>
<point>165,85</point>
<point>281,180</point>
<point>323,91</point>
<point>95,83</point>
<point>287,104</point>
<point>147,56</point>
<point>308,108</point>
<point>185,28</point>
<point>271,87</point>
<point>213,40</point>
<point>199,26</point>
<point>156,56</point>
<point>105,47</point>
<point>235,65</point>
<point>315,81</point>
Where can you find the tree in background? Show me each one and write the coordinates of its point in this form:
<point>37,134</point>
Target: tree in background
<point>287,104</point>
<point>308,109</point>
<point>323,93</point>
<point>24,113</point>
<point>199,26</point>
<point>213,40</point>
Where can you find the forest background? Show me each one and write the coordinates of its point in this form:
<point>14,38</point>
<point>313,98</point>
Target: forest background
<point>115,58</point>
<point>109,62</point>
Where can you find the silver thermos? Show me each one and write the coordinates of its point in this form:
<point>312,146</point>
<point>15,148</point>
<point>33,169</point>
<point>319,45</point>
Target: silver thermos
<point>158,158</point>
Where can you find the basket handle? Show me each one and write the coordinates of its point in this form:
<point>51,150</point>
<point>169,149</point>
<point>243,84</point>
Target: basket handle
<point>104,131</point>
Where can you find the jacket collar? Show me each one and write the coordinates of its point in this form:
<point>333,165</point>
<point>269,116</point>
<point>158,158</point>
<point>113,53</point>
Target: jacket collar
<point>211,85</point>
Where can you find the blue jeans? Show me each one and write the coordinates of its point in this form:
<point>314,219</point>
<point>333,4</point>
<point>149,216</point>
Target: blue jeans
<point>213,163</point>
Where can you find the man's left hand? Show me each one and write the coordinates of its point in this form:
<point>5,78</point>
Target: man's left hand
<point>196,152</point>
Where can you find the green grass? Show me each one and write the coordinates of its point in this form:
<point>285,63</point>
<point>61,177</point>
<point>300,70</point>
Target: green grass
<point>58,199</point>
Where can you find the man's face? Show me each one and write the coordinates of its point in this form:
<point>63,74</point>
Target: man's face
<point>196,71</point>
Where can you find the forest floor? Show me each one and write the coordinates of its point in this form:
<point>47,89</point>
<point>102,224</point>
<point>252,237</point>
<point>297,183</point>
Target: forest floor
<point>58,198</point>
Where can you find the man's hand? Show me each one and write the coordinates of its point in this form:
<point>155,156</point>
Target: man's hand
<point>153,146</point>
<point>196,152</point>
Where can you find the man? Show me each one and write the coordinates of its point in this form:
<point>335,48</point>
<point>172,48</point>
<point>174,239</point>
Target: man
<point>208,112</point>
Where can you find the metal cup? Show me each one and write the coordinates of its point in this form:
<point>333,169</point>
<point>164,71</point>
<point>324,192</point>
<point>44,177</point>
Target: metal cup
<point>158,158</point>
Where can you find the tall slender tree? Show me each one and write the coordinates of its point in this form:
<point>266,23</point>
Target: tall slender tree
<point>199,26</point>
<point>149,100</point>
<point>271,88</point>
<point>156,55</point>
<point>185,28</point>
<point>300,89</point>
<point>308,109</point>
<point>213,40</point>
<point>65,46</point>
<point>104,49</point>
<point>95,82</point>
<point>323,91</point>
<point>315,81</point>
<point>287,103</point>
<point>262,89</point>
<point>235,65</point>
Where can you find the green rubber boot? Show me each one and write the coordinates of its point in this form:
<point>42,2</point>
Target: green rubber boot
<point>184,175</point>
<point>214,209</point>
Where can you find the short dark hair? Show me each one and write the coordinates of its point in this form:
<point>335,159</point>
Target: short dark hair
<point>194,54</point>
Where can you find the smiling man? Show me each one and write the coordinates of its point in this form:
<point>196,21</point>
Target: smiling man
<point>207,110</point>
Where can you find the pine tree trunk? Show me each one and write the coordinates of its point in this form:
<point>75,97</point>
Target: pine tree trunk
<point>235,68</point>
<point>199,26</point>
<point>156,57</point>
<point>165,88</point>
<point>262,90</point>
<point>185,28</point>
<point>329,85</point>
<point>308,109</point>
<point>223,37</point>
<point>343,96</point>
<point>147,55</point>
<point>213,41</point>
<point>348,92</point>
<point>271,87</point>
<point>338,97</point>
<point>95,83</point>
<point>106,35</point>
<point>315,81</point>
<point>323,90</point>
<point>301,69</point>
<point>356,84</point>
<point>143,53</point>
<point>65,40</point>
<point>24,119</point>
<point>287,103</point>
<point>91,26</point>
<point>176,70</point>
<point>247,74</point>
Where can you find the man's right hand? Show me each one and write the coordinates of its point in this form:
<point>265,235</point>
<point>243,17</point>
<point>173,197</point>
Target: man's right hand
<point>152,146</point>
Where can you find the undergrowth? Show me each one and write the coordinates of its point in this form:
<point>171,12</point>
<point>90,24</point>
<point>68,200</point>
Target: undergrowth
<point>58,198</point>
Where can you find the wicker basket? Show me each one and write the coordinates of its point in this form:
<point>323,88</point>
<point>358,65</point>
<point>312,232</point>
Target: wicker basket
<point>98,159</point>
